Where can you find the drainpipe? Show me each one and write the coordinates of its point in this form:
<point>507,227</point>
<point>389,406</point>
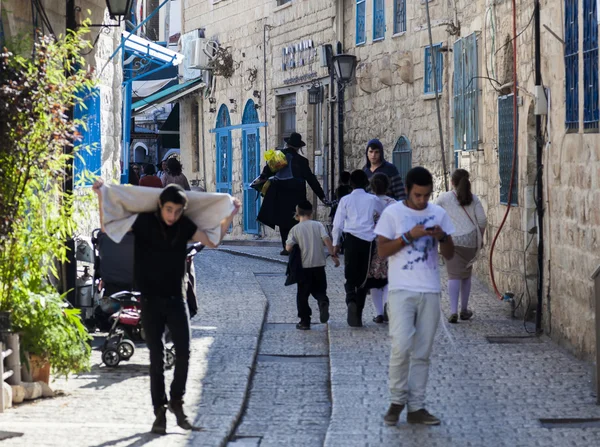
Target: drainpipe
<point>332,125</point>
<point>265,28</point>
<point>340,98</point>
<point>539,172</point>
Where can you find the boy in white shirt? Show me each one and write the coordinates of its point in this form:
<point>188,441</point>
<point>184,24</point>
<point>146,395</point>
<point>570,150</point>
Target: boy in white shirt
<point>408,234</point>
<point>310,236</point>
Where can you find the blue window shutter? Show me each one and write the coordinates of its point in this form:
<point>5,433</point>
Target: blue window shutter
<point>88,150</point>
<point>361,23</point>
<point>223,136</point>
<point>590,64</point>
<point>402,156</point>
<point>428,81</point>
<point>572,65</point>
<point>506,146</point>
<point>458,106</point>
<point>399,16</point>
<point>378,19</point>
<point>471,94</point>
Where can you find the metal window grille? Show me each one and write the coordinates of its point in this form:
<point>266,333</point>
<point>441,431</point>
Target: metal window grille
<point>378,20</point>
<point>223,150</point>
<point>361,24</point>
<point>590,65</point>
<point>466,94</point>
<point>506,147</point>
<point>399,16</point>
<point>88,158</point>
<point>402,156</point>
<point>428,75</point>
<point>251,168</point>
<point>572,65</point>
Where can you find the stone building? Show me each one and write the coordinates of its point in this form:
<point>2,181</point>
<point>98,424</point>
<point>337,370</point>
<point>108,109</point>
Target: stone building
<point>275,51</point>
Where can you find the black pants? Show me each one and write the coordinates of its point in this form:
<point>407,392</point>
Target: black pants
<point>314,282</point>
<point>158,313</point>
<point>357,257</point>
<point>284,232</point>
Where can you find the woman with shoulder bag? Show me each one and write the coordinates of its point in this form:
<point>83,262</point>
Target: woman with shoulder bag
<point>467,215</point>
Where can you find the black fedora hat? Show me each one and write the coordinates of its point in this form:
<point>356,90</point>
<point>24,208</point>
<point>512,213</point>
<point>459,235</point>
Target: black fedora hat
<point>295,140</point>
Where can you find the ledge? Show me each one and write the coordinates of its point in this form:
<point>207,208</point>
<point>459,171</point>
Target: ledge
<point>430,96</point>
<point>282,7</point>
<point>400,34</point>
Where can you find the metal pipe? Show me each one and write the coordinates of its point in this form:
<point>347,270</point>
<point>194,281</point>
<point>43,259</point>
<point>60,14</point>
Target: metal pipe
<point>332,128</point>
<point>265,84</point>
<point>437,98</point>
<point>539,173</point>
<point>340,98</point>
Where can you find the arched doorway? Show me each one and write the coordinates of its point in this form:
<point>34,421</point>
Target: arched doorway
<point>140,153</point>
<point>251,166</point>
<point>402,156</point>
<point>223,156</point>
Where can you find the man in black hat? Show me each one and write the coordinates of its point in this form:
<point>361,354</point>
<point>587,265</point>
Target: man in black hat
<point>288,189</point>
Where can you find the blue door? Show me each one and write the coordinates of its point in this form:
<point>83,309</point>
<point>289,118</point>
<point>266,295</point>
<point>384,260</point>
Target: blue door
<point>223,155</point>
<point>251,164</point>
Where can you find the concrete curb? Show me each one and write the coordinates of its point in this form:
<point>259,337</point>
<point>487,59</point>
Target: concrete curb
<point>252,255</point>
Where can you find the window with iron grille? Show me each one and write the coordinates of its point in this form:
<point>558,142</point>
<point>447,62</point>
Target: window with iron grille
<point>572,65</point>
<point>429,86</point>
<point>378,20</point>
<point>286,116</point>
<point>399,16</point>
<point>506,148</point>
<point>361,23</point>
<point>590,65</point>
<point>402,156</point>
<point>466,94</point>
<point>88,158</point>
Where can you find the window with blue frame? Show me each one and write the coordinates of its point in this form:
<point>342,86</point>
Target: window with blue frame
<point>466,94</point>
<point>399,16</point>
<point>88,150</point>
<point>378,20</point>
<point>361,22</point>
<point>402,156</point>
<point>429,84</point>
<point>506,148</point>
<point>572,65</point>
<point>590,65</point>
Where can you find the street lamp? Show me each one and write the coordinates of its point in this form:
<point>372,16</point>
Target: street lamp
<point>118,8</point>
<point>345,65</point>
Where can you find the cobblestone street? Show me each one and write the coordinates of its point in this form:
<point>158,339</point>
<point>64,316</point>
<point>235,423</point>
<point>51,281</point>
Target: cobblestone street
<point>257,381</point>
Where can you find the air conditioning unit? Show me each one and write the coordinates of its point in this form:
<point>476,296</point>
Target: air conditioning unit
<point>201,54</point>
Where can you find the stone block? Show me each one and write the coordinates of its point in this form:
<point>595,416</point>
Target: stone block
<point>33,390</point>
<point>18,394</point>
<point>8,395</point>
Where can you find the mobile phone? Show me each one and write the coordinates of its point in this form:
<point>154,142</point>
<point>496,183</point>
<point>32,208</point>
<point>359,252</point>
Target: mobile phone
<point>430,228</point>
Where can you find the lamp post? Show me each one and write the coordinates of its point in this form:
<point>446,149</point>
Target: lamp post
<point>117,9</point>
<point>344,66</point>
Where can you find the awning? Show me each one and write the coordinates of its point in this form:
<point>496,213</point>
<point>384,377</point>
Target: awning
<point>145,48</point>
<point>169,131</point>
<point>166,96</point>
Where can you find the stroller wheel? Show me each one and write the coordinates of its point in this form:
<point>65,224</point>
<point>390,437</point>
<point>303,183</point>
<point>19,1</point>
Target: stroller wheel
<point>111,357</point>
<point>126,349</point>
<point>170,358</point>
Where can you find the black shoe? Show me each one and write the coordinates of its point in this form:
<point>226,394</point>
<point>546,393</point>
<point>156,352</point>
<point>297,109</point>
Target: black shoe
<point>393,414</point>
<point>176,407</point>
<point>422,416</point>
<point>354,319</point>
<point>453,319</point>
<point>324,312</point>
<point>466,315</point>
<point>160,423</point>
<point>378,319</point>
<point>303,326</point>
<point>284,252</point>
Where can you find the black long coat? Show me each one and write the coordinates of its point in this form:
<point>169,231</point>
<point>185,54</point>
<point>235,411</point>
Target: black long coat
<point>279,205</point>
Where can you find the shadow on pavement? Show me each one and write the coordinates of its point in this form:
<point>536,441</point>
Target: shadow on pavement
<point>106,377</point>
<point>138,439</point>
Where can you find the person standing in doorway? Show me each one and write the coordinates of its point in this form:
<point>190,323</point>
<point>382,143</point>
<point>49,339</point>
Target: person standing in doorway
<point>310,236</point>
<point>468,217</point>
<point>164,234</point>
<point>376,164</point>
<point>409,233</point>
<point>288,189</point>
<point>355,216</point>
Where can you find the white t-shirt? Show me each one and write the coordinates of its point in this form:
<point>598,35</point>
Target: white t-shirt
<point>414,268</point>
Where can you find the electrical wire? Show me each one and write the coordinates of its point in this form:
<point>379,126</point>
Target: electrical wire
<point>85,53</point>
<point>516,35</point>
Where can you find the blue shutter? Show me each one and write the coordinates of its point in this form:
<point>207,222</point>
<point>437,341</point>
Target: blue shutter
<point>223,136</point>
<point>571,65</point>
<point>471,93</point>
<point>88,150</point>
<point>399,16</point>
<point>251,168</point>
<point>402,156</point>
<point>506,146</point>
<point>378,20</point>
<point>458,106</point>
<point>361,23</point>
<point>590,65</point>
<point>429,83</point>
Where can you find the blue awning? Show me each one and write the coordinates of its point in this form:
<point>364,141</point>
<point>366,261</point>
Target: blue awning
<point>166,96</point>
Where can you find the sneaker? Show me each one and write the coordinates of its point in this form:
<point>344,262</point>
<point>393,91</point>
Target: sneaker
<point>466,315</point>
<point>324,312</point>
<point>284,252</point>
<point>354,319</point>
<point>176,407</point>
<point>378,319</point>
<point>422,416</point>
<point>160,423</point>
<point>393,414</point>
<point>453,318</point>
<point>303,326</point>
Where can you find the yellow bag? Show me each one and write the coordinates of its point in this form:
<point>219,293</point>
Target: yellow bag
<point>275,160</point>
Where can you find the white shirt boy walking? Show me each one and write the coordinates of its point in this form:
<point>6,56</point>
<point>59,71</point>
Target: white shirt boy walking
<point>408,234</point>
